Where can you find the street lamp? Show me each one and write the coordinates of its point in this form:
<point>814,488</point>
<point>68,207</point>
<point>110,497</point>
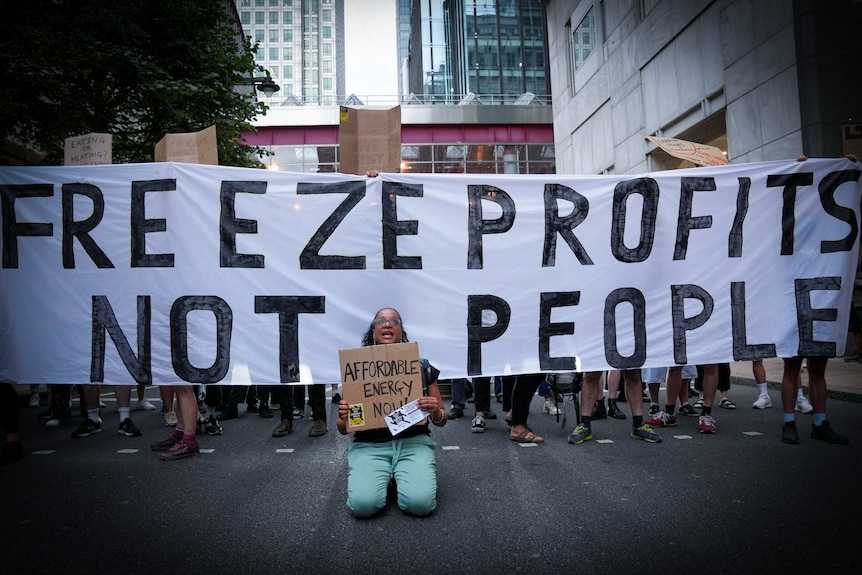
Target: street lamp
<point>264,84</point>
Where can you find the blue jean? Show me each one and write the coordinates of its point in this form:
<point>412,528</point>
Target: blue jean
<point>410,461</point>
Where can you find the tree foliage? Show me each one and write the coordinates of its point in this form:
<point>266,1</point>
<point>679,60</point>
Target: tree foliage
<point>137,69</point>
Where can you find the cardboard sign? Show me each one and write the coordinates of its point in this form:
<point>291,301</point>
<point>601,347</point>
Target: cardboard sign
<point>378,379</point>
<point>698,154</point>
<point>851,140</point>
<point>369,139</point>
<point>88,150</point>
<point>191,148</point>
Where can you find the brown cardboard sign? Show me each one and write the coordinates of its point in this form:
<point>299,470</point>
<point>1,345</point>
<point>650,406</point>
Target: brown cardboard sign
<point>88,150</point>
<point>699,154</point>
<point>378,379</point>
<point>190,148</point>
<point>851,140</point>
<point>369,139</point>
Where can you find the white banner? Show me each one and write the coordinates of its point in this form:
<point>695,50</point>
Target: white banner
<point>177,273</point>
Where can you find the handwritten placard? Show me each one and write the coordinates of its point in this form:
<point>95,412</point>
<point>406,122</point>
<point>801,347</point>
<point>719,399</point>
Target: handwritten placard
<point>377,380</point>
<point>88,150</point>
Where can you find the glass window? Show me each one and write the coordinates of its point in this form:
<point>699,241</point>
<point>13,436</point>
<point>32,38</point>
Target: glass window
<point>584,39</point>
<point>327,32</point>
<point>245,18</point>
<point>259,18</point>
<point>273,2</point>
<point>273,35</point>
<point>258,2</point>
<point>288,17</point>
<point>327,66</point>
<point>273,17</point>
<point>287,35</point>
<point>327,84</point>
<point>288,53</point>
<point>327,49</point>
<point>326,15</point>
<point>273,53</point>
<point>259,35</point>
<point>288,71</point>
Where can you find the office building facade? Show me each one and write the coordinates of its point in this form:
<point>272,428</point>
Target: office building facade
<point>472,81</point>
<point>760,80</point>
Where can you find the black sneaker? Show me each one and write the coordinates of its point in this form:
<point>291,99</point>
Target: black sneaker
<point>298,413</point>
<point>88,427</point>
<point>654,409</point>
<point>688,411</point>
<point>824,432</point>
<point>789,433</point>
<point>490,415</point>
<point>128,428</point>
<point>336,398</point>
<point>455,412</point>
<point>212,426</point>
<point>181,450</point>
<point>229,412</point>
<point>599,410</point>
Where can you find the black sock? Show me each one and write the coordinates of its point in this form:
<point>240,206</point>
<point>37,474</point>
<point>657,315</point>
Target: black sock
<point>585,421</point>
<point>637,421</point>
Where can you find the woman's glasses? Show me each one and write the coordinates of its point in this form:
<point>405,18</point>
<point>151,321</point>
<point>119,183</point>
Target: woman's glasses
<point>381,321</point>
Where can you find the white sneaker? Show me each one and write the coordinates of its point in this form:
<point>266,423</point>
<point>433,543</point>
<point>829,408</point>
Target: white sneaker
<point>145,405</point>
<point>762,402</point>
<point>550,408</point>
<point>53,422</point>
<point>34,400</point>
<point>171,419</point>
<point>803,405</point>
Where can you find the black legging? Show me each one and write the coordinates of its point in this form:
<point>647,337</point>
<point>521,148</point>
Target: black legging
<point>10,410</point>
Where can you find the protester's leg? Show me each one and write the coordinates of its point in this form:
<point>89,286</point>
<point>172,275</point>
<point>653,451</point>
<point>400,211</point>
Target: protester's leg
<point>508,386</point>
<point>634,389</point>
<point>817,384</point>
<point>415,473</point>
<point>522,395</point>
<point>317,401</point>
<point>482,392</point>
<point>368,475</point>
<point>792,368</point>
<point>459,397</point>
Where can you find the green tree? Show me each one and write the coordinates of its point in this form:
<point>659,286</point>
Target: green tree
<point>137,69</point>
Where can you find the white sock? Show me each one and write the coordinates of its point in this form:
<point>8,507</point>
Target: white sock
<point>93,415</point>
<point>762,388</point>
<point>124,413</point>
<point>799,393</point>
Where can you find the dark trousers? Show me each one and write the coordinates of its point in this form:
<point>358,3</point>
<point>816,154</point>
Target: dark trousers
<point>522,395</point>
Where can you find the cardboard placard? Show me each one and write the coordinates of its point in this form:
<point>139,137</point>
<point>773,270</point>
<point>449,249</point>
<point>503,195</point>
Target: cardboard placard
<point>699,154</point>
<point>88,150</point>
<point>851,140</point>
<point>369,139</point>
<point>378,379</point>
<point>190,148</point>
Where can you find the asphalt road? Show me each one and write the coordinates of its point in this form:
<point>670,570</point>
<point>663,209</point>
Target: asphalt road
<point>736,502</point>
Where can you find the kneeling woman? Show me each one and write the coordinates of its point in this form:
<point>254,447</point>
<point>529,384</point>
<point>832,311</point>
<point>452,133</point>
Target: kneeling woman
<point>375,457</point>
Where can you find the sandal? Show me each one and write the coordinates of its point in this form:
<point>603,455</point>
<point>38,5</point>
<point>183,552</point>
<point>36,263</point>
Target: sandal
<point>526,436</point>
<point>726,404</point>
